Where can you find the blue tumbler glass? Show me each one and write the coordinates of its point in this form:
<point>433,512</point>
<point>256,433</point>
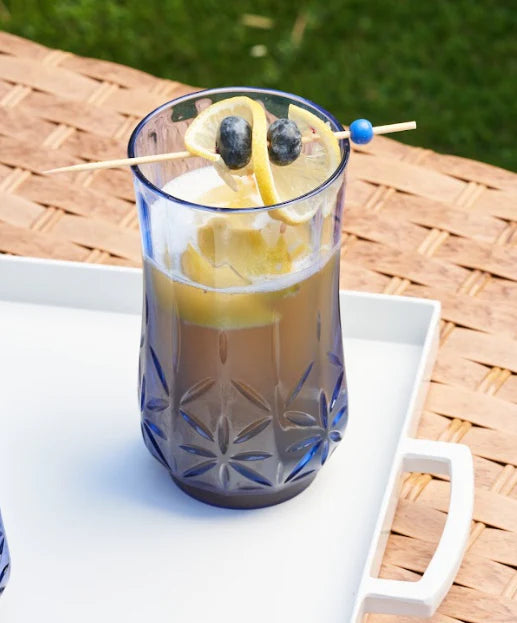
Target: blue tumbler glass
<point>4,558</point>
<point>242,383</point>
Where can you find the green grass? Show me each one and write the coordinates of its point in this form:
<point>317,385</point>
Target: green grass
<point>449,64</point>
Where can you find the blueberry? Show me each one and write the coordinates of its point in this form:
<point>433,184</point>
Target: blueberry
<point>233,142</point>
<point>284,142</point>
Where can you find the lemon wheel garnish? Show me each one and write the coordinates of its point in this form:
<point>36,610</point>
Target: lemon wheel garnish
<point>276,184</point>
<point>318,160</point>
<point>201,134</point>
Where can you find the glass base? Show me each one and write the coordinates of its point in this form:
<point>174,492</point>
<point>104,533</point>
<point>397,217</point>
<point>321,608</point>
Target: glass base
<point>245,500</point>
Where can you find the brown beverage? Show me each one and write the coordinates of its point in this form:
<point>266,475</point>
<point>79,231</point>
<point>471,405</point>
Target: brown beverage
<point>243,390</point>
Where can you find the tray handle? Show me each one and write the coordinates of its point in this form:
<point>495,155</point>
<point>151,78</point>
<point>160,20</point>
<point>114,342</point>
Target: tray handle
<point>422,598</point>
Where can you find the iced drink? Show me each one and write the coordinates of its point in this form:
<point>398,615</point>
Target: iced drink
<point>242,384</point>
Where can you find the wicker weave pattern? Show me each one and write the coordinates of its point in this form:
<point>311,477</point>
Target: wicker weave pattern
<point>417,223</point>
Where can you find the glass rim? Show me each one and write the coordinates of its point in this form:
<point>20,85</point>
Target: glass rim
<point>137,172</point>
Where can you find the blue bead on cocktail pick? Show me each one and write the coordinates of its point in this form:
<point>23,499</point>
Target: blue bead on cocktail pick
<point>361,131</point>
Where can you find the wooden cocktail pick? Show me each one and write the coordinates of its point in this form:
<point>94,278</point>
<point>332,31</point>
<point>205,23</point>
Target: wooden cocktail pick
<point>362,134</point>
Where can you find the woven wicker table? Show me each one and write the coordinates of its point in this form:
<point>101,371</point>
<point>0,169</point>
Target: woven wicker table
<point>417,223</point>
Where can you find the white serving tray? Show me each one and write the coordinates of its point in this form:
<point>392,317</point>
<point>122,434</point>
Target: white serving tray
<point>98,531</point>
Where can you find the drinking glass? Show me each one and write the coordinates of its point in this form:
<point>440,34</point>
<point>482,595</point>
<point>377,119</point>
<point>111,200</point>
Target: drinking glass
<point>4,558</point>
<point>242,383</point>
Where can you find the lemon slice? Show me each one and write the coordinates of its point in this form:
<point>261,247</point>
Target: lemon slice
<point>318,160</point>
<point>210,308</point>
<point>245,196</point>
<point>245,250</point>
<point>201,134</point>
<point>196,267</point>
<point>276,184</point>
